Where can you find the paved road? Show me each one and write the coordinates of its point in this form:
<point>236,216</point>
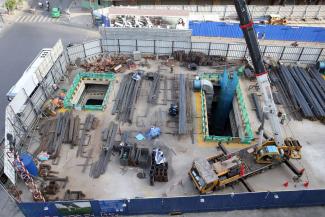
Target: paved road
<point>7,206</point>
<point>30,18</point>
<point>62,4</point>
<point>21,42</point>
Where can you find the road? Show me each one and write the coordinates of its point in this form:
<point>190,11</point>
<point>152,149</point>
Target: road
<point>20,43</point>
<point>7,205</point>
<point>62,4</point>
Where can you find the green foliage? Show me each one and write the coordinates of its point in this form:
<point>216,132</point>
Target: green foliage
<point>10,5</point>
<point>20,2</point>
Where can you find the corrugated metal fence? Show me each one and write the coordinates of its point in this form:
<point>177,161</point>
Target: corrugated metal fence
<point>24,110</point>
<point>171,205</point>
<point>229,50</point>
<point>271,32</point>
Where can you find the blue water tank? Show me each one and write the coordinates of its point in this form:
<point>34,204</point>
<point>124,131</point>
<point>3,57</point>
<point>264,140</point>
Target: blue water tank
<point>320,65</point>
<point>27,159</point>
<point>197,85</point>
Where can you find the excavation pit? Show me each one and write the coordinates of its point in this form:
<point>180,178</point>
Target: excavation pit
<point>89,91</point>
<point>237,128</point>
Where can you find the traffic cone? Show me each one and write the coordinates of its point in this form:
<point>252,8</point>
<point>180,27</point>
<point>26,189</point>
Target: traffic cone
<point>306,183</point>
<point>285,184</point>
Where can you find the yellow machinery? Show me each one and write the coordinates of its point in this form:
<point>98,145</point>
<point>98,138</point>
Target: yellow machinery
<point>275,19</point>
<point>269,152</point>
<point>215,172</point>
<point>223,169</point>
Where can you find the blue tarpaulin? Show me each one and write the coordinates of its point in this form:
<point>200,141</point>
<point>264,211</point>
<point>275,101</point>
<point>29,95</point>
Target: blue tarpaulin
<point>271,32</point>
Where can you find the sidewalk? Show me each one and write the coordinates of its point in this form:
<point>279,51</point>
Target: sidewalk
<point>76,16</point>
<point>72,16</point>
<point>10,18</point>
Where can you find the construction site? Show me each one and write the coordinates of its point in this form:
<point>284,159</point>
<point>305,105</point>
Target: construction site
<point>110,132</point>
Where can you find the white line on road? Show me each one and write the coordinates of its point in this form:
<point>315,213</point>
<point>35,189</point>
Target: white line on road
<point>40,19</point>
<point>24,18</point>
<point>18,18</point>
<point>33,18</point>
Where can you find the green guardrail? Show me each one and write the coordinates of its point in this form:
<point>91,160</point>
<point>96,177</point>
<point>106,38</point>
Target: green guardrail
<point>249,136</point>
<point>77,80</point>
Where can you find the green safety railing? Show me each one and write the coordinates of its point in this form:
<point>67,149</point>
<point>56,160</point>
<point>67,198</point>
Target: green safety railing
<point>249,136</point>
<point>210,76</point>
<point>76,81</point>
<point>243,112</point>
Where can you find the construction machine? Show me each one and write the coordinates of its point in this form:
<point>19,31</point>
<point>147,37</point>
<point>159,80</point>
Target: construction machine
<point>269,107</point>
<point>224,168</point>
<point>275,19</point>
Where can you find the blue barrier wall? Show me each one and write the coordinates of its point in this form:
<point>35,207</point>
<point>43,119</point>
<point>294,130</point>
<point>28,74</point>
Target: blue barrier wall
<point>205,203</point>
<point>272,32</point>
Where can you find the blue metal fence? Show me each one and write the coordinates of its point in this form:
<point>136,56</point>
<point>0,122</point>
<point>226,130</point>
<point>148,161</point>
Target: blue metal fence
<point>271,32</point>
<point>207,203</point>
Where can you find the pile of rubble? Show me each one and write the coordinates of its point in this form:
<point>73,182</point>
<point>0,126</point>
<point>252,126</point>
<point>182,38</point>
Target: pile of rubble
<point>199,58</point>
<point>104,63</point>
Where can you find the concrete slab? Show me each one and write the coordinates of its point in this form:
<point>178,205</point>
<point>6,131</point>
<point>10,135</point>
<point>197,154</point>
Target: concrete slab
<point>122,182</point>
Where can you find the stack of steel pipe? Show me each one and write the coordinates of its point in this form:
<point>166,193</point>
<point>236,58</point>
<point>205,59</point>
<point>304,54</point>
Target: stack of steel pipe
<point>126,98</point>
<point>99,167</point>
<point>154,89</point>
<point>199,58</point>
<point>91,122</point>
<point>287,94</point>
<point>57,138</point>
<point>314,98</point>
<point>305,92</point>
<point>182,121</point>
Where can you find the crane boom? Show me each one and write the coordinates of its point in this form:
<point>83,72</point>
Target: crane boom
<point>246,24</point>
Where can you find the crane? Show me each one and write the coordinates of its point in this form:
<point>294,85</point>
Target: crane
<point>227,168</point>
<point>246,24</point>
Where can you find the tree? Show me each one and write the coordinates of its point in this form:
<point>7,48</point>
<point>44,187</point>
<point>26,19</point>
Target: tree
<point>20,2</point>
<point>10,5</point>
